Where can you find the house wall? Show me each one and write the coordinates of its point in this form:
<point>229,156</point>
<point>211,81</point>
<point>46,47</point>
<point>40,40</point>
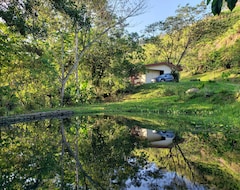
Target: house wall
<point>154,71</point>
<point>165,68</point>
<point>151,74</point>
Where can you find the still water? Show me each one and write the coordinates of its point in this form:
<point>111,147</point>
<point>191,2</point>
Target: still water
<point>102,152</point>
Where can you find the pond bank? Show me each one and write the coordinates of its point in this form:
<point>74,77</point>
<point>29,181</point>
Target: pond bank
<point>34,116</point>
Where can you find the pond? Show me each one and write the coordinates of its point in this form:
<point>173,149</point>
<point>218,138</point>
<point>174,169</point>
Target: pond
<point>103,152</point>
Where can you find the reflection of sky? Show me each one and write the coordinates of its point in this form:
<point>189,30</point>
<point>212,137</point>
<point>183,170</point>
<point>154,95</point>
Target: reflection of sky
<point>168,179</point>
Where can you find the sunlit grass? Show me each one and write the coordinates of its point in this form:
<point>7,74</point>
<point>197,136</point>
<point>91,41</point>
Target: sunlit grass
<point>215,104</point>
<point>223,75</point>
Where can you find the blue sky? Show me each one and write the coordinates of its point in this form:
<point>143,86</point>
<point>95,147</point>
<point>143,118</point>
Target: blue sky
<point>157,10</point>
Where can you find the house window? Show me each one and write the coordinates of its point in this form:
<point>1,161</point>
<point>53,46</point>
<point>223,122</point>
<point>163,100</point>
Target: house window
<point>161,72</point>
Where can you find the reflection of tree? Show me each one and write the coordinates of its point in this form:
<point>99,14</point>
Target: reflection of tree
<point>26,156</point>
<point>91,152</point>
<point>172,159</point>
<point>103,151</point>
<point>188,163</point>
<point>197,162</point>
<point>79,166</point>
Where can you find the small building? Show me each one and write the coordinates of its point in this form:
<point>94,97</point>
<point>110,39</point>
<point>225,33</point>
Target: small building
<point>156,69</point>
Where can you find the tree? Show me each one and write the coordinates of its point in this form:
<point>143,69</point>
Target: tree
<point>104,17</point>
<point>22,75</point>
<point>217,5</point>
<point>111,61</point>
<point>87,21</point>
<point>176,33</point>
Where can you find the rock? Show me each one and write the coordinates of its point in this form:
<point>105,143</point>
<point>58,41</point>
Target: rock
<point>192,91</point>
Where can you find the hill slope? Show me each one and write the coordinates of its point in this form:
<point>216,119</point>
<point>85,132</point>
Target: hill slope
<point>219,45</point>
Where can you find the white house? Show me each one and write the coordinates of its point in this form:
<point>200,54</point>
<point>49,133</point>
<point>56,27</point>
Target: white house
<point>156,69</point>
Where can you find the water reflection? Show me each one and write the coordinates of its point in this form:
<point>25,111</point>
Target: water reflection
<point>154,178</point>
<point>102,152</point>
<point>157,139</point>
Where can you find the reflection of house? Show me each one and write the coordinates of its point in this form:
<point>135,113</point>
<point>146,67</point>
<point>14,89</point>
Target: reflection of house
<point>156,69</point>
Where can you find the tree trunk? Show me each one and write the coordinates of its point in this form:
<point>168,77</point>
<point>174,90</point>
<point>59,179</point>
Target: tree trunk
<point>63,81</point>
<point>62,92</point>
<point>76,61</point>
<point>184,51</point>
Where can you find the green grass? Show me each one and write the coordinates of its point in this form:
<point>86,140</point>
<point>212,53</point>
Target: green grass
<point>217,103</point>
<point>220,75</point>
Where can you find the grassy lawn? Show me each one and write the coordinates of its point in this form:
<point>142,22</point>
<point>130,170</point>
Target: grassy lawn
<point>156,96</point>
<point>217,102</point>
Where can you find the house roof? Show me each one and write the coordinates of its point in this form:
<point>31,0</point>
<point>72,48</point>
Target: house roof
<point>171,65</point>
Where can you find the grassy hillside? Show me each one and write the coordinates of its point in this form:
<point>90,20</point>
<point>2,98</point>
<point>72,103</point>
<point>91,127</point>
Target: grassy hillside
<point>217,102</point>
<point>220,75</point>
<point>218,46</point>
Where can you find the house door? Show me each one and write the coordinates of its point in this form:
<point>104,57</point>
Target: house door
<point>161,72</point>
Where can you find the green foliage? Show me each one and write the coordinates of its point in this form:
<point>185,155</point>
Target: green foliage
<point>217,45</point>
<point>207,44</point>
<point>84,95</point>
<point>41,51</point>
<point>174,35</point>
<point>27,72</point>
<point>8,100</point>
<point>97,151</point>
<point>110,63</point>
<point>78,15</point>
<point>23,17</point>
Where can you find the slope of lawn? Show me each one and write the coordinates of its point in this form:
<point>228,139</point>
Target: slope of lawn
<point>219,97</point>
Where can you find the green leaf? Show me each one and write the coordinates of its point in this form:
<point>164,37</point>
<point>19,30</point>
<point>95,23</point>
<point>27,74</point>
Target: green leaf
<point>217,6</point>
<point>231,4</point>
<point>73,129</point>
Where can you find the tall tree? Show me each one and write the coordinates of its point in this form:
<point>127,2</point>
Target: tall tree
<point>104,17</point>
<point>113,60</point>
<point>22,72</point>
<point>87,20</point>
<point>176,33</point>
